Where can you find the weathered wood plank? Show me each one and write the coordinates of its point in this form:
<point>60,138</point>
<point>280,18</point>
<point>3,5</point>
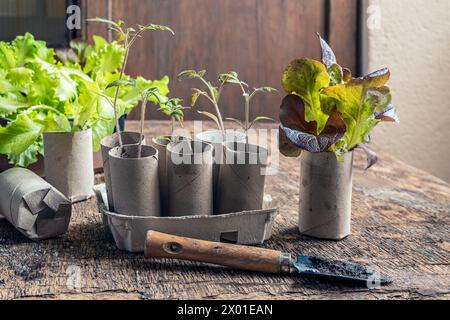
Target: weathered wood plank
<point>343,32</point>
<point>93,9</point>
<point>401,218</point>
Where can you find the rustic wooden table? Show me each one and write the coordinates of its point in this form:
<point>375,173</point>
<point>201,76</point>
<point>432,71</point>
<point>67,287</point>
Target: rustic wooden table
<point>401,220</point>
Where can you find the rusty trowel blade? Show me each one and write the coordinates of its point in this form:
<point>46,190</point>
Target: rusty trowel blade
<point>339,270</point>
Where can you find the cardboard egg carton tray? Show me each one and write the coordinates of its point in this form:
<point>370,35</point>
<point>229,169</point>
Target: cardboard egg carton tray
<point>247,227</point>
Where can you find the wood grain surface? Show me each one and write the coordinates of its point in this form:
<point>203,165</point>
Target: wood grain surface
<point>160,245</point>
<point>400,224</point>
<point>256,38</point>
<point>343,34</point>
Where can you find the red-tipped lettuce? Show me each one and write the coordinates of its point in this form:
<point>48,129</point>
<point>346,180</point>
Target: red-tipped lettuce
<point>296,131</point>
<point>371,156</point>
<point>307,78</point>
<point>334,70</point>
<point>388,115</point>
<point>287,148</point>
<point>328,110</point>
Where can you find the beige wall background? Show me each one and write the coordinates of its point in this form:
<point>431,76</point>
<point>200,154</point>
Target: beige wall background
<point>412,38</point>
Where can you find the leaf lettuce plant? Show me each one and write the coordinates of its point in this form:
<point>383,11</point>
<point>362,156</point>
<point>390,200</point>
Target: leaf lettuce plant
<point>39,92</point>
<point>327,110</point>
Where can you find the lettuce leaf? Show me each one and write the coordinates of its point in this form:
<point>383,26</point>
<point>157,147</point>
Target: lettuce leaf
<point>20,77</point>
<point>286,147</point>
<point>29,156</point>
<point>40,93</point>
<point>102,128</point>
<point>301,133</point>
<point>329,60</point>
<point>358,101</point>
<point>389,114</point>
<point>50,121</point>
<point>306,78</point>
<point>7,56</point>
<point>26,48</point>
<point>328,110</point>
<point>103,57</point>
<point>9,106</point>
<point>19,135</point>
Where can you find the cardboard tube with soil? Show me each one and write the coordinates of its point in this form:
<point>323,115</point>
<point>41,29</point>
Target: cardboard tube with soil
<point>325,195</point>
<point>160,143</point>
<point>134,179</point>
<point>217,139</point>
<point>32,205</point>
<point>69,163</point>
<point>108,143</point>
<point>242,178</point>
<point>190,178</point>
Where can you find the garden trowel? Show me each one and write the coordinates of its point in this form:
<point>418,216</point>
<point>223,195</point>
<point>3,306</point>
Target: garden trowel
<point>160,245</point>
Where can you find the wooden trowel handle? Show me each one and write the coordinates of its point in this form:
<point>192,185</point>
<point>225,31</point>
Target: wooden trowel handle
<point>160,245</point>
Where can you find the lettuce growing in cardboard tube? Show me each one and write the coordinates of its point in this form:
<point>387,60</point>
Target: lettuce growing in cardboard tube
<point>298,132</point>
<point>330,110</point>
<point>40,94</point>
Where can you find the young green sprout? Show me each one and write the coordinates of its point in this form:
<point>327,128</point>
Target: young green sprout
<point>152,91</point>
<point>212,94</point>
<point>174,110</point>
<point>128,36</point>
<point>145,96</point>
<point>232,78</point>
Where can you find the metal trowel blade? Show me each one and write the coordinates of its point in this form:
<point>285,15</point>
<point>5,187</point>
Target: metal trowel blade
<point>339,270</point>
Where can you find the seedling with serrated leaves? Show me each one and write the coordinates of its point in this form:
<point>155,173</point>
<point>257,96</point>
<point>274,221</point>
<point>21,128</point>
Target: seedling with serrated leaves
<point>233,78</point>
<point>153,91</point>
<point>174,110</point>
<point>212,94</point>
<point>128,36</point>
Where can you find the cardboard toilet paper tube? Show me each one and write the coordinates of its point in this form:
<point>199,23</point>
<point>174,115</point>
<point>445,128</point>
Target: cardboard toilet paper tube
<point>325,195</point>
<point>217,139</point>
<point>32,205</point>
<point>135,182</point>
<point>108,143</point>
<point>242,178</point>
<point>190,178</point>
<point>160,143</point>
<point>69,163</point>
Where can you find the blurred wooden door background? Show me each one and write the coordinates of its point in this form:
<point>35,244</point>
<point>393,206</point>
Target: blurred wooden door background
<point>256,38</point>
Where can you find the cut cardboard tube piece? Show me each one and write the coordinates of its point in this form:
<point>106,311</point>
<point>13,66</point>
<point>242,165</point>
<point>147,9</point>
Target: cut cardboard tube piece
<point>217,138</point>
<point>69,163</point>
<point>32,205</point>
<point>189,178</point>
<point>160,143</point>
<point>242,178</point>
<point>134,179</point>
<point>325,195</point>
<point>108,143</point>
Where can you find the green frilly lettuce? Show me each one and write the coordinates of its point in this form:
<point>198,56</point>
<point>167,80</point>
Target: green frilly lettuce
<point>39,93</point>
